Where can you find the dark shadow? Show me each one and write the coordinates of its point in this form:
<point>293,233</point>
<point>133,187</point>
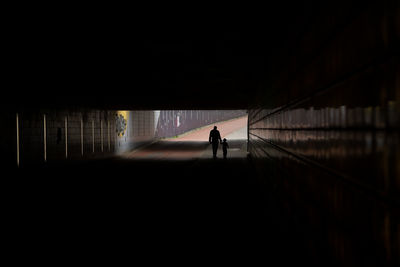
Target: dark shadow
<point>59,135</point>
<point>194,204</point>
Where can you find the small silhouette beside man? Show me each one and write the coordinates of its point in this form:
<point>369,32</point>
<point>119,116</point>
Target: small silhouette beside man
<point>214,139</point>
<point>225,147</point>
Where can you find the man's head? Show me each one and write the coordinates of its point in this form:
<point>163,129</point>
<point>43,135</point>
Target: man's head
<point>215,127</point>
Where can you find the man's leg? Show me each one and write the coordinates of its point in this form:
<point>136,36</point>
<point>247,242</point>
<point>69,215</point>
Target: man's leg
<point>215,148</point>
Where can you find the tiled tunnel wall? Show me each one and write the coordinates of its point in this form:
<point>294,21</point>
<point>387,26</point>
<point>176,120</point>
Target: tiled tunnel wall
<point>36,137</point>
<point>50,136</point>
<point>140,129</point>
<point>325,134</point>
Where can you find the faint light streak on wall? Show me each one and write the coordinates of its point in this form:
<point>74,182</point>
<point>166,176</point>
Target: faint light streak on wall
<point>66,136</point>
<point>17,132</point>
<point>44,138</point>
<point>82,136</point>
<point>101,135</point>
<point>93,135</point>
<point>109,137</point>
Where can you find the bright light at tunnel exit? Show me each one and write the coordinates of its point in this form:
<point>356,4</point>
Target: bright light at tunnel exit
<point>136,127</point>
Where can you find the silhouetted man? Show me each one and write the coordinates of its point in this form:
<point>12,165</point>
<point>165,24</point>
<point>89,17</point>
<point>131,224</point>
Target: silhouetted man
<point>214,139</point>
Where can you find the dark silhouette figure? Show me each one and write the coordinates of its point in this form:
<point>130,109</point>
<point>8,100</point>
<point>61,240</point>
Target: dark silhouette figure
<point>214,139</point>
<point>225,147</point>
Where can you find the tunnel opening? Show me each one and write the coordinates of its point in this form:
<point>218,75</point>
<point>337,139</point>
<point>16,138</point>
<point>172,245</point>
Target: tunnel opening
<point>182,134</point>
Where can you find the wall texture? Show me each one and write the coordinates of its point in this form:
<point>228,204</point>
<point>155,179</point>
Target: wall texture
<point>39,137</point>
<point>48,136</point>
<point>140,129</point>
<point>325,134</point>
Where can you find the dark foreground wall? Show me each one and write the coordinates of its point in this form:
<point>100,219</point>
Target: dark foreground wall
<point>325,135</point>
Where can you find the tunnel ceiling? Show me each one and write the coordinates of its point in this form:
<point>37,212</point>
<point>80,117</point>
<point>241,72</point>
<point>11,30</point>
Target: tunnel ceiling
<point>194,58</point>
